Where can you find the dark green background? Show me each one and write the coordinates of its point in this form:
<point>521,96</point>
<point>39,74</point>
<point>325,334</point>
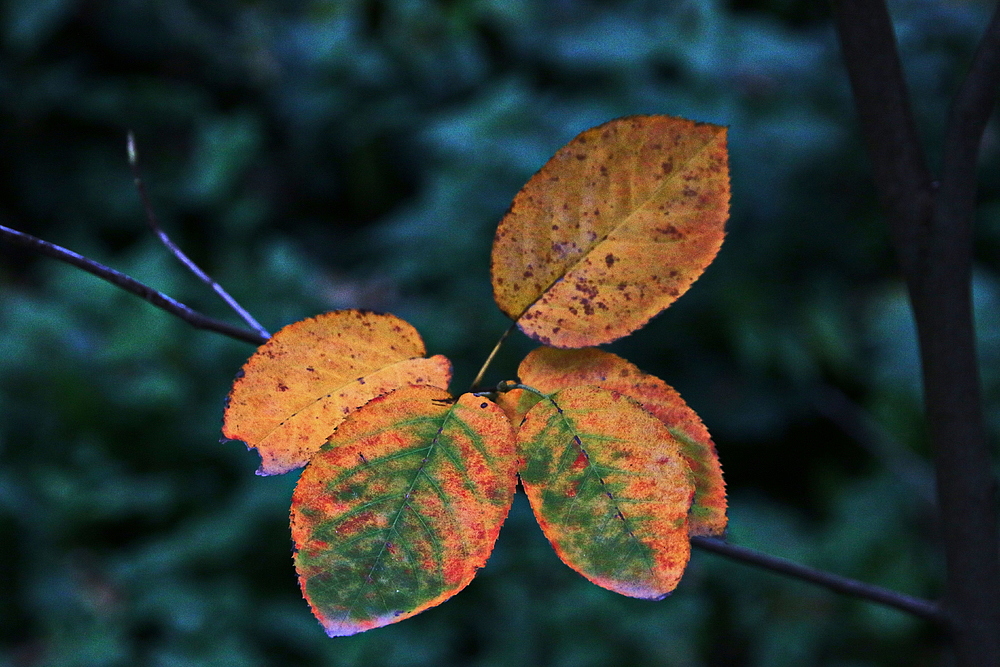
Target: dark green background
<point>322,154</point>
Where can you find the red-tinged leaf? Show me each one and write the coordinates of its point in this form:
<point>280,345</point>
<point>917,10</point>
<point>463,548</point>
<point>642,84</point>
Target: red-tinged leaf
<point>550,370</point>
<point>613,229</point>
<point>402,507</point>
<point>516,403</point>
<point>298,386</point>
<point>609,488</point>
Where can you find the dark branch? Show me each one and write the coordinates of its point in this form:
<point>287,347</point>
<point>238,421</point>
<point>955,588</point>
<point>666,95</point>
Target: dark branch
<point>154,225</point>
<point>932,233</point>
<point>969,113</point>
<point>129,284</point>
<point>942,300</point>
<point>916,606</point>
<point>904,182</point>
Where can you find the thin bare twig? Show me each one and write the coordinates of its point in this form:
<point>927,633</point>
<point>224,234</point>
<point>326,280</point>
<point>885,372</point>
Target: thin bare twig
<point>129,284</point>
<point>918,607</point>
<point>154,225</point>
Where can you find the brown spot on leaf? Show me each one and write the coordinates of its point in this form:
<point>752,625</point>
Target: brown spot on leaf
<point>670,232</point>
<point>656,147</point>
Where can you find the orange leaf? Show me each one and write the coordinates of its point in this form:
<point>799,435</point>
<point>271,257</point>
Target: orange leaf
<point>402,508</point>
<point>609,488</point>
<point>550,370</point>
<point>298,386</point>
<point>516,403</point>
<point>614,228</point>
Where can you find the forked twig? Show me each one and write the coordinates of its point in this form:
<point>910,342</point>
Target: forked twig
<point>130,284</point>
<point>154,225</point>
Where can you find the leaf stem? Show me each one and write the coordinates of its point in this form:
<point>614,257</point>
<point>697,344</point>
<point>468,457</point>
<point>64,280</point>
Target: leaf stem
<point>130,284</point>
<point>925,609</point>
<point>154,225</point>
<point>508,385</point>
<point>489,359</point>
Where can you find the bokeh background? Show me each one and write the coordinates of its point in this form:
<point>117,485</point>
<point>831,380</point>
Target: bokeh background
<point>323,154</point>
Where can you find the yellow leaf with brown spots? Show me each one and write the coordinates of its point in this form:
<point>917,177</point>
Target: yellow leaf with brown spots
<point>297,387</point>
<point>613,229</point>
<point>549,370</point>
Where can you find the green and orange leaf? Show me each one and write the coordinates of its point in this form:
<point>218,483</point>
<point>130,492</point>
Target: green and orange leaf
<point>302,383</point>
<point>515,403</point>
<point>549,370</point>
<point>402,507</point>
<point>609,488</point>
<point>613,229</point>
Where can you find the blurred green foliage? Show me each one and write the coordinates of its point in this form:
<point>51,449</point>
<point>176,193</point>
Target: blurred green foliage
<point>321,154</point>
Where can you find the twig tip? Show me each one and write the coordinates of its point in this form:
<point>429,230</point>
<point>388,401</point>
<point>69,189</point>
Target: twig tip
<point>130,141</point>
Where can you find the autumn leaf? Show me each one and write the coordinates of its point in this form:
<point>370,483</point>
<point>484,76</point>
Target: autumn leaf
<point>613,229</point>
<point>297,387</point>
<point>550,370</point>
<point>515,403</point>
<point>402,507</point>
<point>609,488</point>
